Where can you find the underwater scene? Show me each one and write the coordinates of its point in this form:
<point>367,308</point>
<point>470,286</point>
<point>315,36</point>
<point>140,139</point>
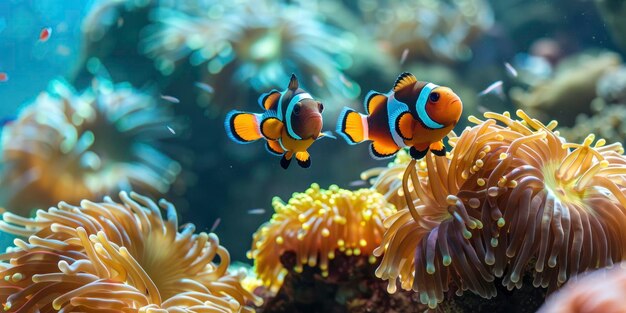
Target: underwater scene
<point>334,156</point>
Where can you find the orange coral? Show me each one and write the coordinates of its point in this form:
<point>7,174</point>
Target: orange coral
<point>111,257</point>
<point>505,196</point>
<point>315,224</point>
<point>69,146</point>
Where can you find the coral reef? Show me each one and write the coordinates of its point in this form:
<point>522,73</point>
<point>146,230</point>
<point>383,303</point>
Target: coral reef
<point>607,111</point>
<point>252,45</point>
<point>606,121</point>
<point>572,86</point>
<point>612,86</point>
<point>70,145</point>
<point>316,224</point>
<point>595,292</point>
<point>509,200</point>
<point>116,257</point>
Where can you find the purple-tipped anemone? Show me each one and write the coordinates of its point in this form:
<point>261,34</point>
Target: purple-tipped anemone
<point>508,201</point>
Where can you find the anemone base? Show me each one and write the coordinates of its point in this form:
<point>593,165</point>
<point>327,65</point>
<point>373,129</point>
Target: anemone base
<point>528,299</point>
<point>350,287</point>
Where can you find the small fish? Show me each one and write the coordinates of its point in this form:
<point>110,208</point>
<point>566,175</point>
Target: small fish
<point>120,22</point>
<point>4,77</point>
<point>405,54</point>
<point>204,87</point>
<point>496,88</point>
<point>291,122</point>
<point>45,34</point>
<point>358,183</point>
<point>317,81</point>
<point>171,130</point>
<point>510,69</point>
<point>414,114</point>
<point>215,224</point>
<point>345,81</point>
<point>256,211</point>
<point>170,99</point>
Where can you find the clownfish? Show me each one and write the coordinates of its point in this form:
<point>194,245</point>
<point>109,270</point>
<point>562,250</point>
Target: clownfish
<point>414,114</point>
<point>292,121</point>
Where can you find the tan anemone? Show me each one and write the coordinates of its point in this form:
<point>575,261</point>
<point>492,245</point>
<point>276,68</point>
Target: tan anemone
<point>432,241</point>
<point>112,257</point>
<point>69,146</point>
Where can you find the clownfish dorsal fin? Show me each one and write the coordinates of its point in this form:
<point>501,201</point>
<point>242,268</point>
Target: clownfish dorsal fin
<point>293,82</point>
<point>404,80</point>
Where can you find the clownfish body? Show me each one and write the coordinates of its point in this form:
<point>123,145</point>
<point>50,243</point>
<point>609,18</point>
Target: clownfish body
<point>292,121</point>
<point>414,114</point>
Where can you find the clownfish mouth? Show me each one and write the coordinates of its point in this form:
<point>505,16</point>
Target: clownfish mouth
<point>313,125</point>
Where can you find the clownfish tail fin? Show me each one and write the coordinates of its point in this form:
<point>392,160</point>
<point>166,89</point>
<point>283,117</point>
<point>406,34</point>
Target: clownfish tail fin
<point>352,126</point>
<point>243,127</point>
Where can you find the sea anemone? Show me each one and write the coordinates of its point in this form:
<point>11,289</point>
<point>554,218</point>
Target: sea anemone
<point>563,204</point>
<point>436,238</point>
<point>508,199</point>
<point>114,257</point>
<point>601,291</point>
<point>253,43</point>
<point>72,146</point>
<point>317,224</point>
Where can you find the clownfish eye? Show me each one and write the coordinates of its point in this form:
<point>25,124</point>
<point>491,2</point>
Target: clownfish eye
<point>433,97</point>
<point>296,110</point>
<point>321,107</point>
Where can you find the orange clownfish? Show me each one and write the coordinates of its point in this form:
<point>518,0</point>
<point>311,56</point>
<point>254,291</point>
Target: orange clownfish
<point>292,121</point>
<point>414,114</point>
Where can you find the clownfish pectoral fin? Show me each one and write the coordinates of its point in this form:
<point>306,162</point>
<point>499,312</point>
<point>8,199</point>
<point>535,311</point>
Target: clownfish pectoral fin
<point>326,134</point>
<point>286,160</point>
<point>382,151</point>
<point>404,125</point>
<point>271,127</point>
<point>405,79</point>
<point>304,159</point>
<point>273,147</point>
<point>242,127</point>
<point>268,99</point>
<point>374,101</point>
<point>437,148</point>
<point>352,126</point>
<point>418,152</point>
